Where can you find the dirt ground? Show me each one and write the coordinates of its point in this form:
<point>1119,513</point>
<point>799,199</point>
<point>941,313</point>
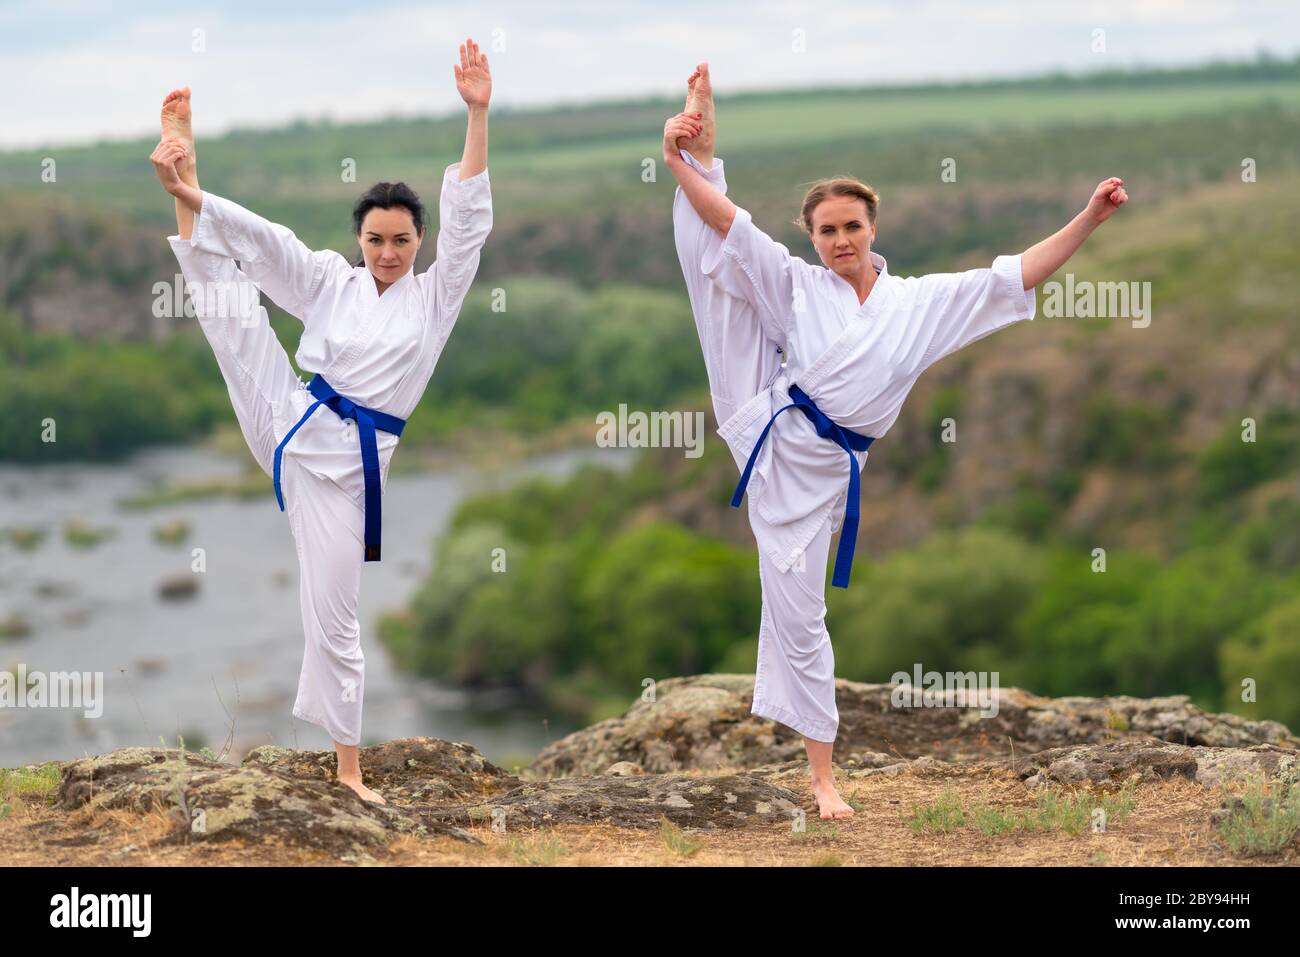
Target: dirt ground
<point>1169,825</point>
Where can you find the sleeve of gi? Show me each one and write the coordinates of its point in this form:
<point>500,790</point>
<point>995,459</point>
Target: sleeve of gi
<point>955,309</point>
<point>464,221</point>
<point>682,206</point>
<point>749,265</point>
<point>268,253</point>
<point>697,242</point>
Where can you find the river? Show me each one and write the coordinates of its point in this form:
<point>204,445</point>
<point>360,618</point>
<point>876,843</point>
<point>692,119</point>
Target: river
<point>231,652</point>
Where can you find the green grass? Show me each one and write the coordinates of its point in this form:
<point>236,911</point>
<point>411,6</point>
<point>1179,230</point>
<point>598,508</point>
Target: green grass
<point>940,816</point>
<point>1057,809</point>
<point>1255,828</point>
<point>40,782</point>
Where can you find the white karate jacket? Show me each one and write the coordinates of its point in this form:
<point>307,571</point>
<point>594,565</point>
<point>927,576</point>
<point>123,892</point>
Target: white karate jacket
<point>379,351</point>
<point>856,361</point>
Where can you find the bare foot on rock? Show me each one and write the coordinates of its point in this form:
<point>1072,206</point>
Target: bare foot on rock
<point>363,792</point>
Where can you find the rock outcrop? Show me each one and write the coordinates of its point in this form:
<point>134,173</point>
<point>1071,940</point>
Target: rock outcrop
<point>703,802</point>
<point>432,788</point>
<point>254,802</point>
<point>695,756</point>
<point>704,722</point>
<point>1150,758</point>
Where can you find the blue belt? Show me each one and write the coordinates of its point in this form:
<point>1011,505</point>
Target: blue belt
<point>367,421</point>
<point>850,442</point>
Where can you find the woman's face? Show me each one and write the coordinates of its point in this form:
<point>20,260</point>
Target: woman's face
<point>389,242</point>
<point>842,234</point>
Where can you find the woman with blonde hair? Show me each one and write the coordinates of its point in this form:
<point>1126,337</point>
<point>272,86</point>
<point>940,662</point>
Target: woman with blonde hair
<point>843,343</point>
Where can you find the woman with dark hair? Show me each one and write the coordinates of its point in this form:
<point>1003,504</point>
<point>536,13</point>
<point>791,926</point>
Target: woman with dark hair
<point>372,334</point>
<point>842,342</point>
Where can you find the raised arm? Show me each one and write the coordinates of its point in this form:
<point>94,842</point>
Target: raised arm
<point>952,310</point>
<point>464,222</point>
<point>948,311</point>
<point>738,257</point>
<point>474,83</point>
<point>1042,259</point>
<point>465,203</point>
<point>270,255</point>
<point>714,207</point>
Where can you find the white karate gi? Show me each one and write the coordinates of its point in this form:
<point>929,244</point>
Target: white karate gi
<point>377,350</point>
<point>857,361</point>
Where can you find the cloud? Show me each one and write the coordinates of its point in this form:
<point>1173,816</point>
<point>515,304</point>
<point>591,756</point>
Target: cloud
<point>85,74</point>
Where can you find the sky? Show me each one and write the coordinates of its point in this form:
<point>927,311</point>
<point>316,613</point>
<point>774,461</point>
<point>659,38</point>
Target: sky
<point>76,71</point>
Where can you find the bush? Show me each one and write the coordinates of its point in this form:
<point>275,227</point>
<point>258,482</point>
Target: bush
<point>1230,465</point>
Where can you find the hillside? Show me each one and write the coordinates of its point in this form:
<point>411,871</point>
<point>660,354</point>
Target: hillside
<point>569,198</point>
<point>582,246</point>
<point>1072,435</point>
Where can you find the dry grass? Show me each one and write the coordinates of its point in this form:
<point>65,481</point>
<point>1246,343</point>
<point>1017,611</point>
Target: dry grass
<point>1169,824</point>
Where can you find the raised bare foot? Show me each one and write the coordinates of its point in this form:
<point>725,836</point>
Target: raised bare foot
<point>176,122</point>
<point>829,803</point>
<point>699,98</point>
<point>699,89</point>
<point>363,792</point>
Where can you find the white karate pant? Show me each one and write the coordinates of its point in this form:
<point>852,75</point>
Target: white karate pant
<point>794,681</point>
<point>327,524</point>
